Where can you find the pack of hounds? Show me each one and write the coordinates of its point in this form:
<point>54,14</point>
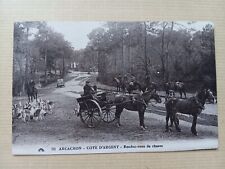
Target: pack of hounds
<point>32,111</point>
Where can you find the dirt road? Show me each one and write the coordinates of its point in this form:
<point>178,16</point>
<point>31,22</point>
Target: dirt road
<point>63,127</point>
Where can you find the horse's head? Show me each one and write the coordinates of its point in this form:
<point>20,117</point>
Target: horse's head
<point>148,95</point>
<point>205,94</point>
<point>179,84</point>
<point>115,79</point>
<point>210,96</point>
<point>156,97</point>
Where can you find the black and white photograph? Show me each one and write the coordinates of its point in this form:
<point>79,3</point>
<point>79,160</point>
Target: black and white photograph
<point>113,87</point>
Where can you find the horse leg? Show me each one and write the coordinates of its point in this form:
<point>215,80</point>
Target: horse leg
<point>180,91</point>
<point>28,97</point>
<point>169,114</point>
<point>141,114</point>
<point>184,93</point>
<point>32,97</point>
<point>171,121</point>
<point>167,93</point>
<point>36,96</point>
<point>141,119</point>
<point>193,127</point>
<point>176,122</point>
<point>167,120</point>
<point>117,115</point>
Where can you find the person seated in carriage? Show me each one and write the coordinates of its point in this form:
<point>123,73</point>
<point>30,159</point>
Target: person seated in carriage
<point>95,88</point>
<point>91,91</point>
<point>88,89</point>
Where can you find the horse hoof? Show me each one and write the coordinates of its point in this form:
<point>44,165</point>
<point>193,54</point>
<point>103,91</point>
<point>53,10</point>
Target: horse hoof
<point>178,130</point>
<point>142,128</point>
<point>168,130</point>
<point>118,125</point>
<point>195,133</point>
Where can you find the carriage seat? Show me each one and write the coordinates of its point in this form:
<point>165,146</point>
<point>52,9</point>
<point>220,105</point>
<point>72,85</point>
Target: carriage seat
<point>101,96</point>
<point>84,97</point>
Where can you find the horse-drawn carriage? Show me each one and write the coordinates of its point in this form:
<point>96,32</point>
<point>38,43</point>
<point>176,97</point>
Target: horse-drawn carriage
<point>108,106</point>
<point>94,109</point>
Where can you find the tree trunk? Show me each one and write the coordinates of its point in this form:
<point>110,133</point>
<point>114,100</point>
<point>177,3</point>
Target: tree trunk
<point>45,65</point>
<point>167,53</point>
<point>122,53</point>
<point>27,61</point>
<point>63,70</point>
<point>46,60</point>
<point>145,51</point>
<point>129,55</point>
<point>162,54</point>
<point>55,70</point>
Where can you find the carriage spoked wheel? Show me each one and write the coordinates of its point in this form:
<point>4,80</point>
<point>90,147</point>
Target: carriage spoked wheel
<point>108,113</point>
<point>91,116</point>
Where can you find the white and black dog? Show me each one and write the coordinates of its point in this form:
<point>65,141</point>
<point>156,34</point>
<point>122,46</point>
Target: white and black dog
<point>35,110</point>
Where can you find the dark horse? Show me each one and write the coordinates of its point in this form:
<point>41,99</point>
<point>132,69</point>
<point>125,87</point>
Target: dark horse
<point>31,91</point>
<point>118,84</point>
<point>176,86</point>
<point>139,104</point>
<point>192,106</point>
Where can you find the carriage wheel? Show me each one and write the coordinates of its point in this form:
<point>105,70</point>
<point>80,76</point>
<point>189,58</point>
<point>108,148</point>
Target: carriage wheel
<point>92,115</point>
<point>108,114</point>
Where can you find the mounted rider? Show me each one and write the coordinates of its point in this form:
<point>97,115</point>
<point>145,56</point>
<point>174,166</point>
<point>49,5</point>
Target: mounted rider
<point>135,90</point>
<point>120,78</point>
<point>32,83</point>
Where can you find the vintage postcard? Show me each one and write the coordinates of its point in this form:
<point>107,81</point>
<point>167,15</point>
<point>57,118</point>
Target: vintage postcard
<point>113,87</point>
